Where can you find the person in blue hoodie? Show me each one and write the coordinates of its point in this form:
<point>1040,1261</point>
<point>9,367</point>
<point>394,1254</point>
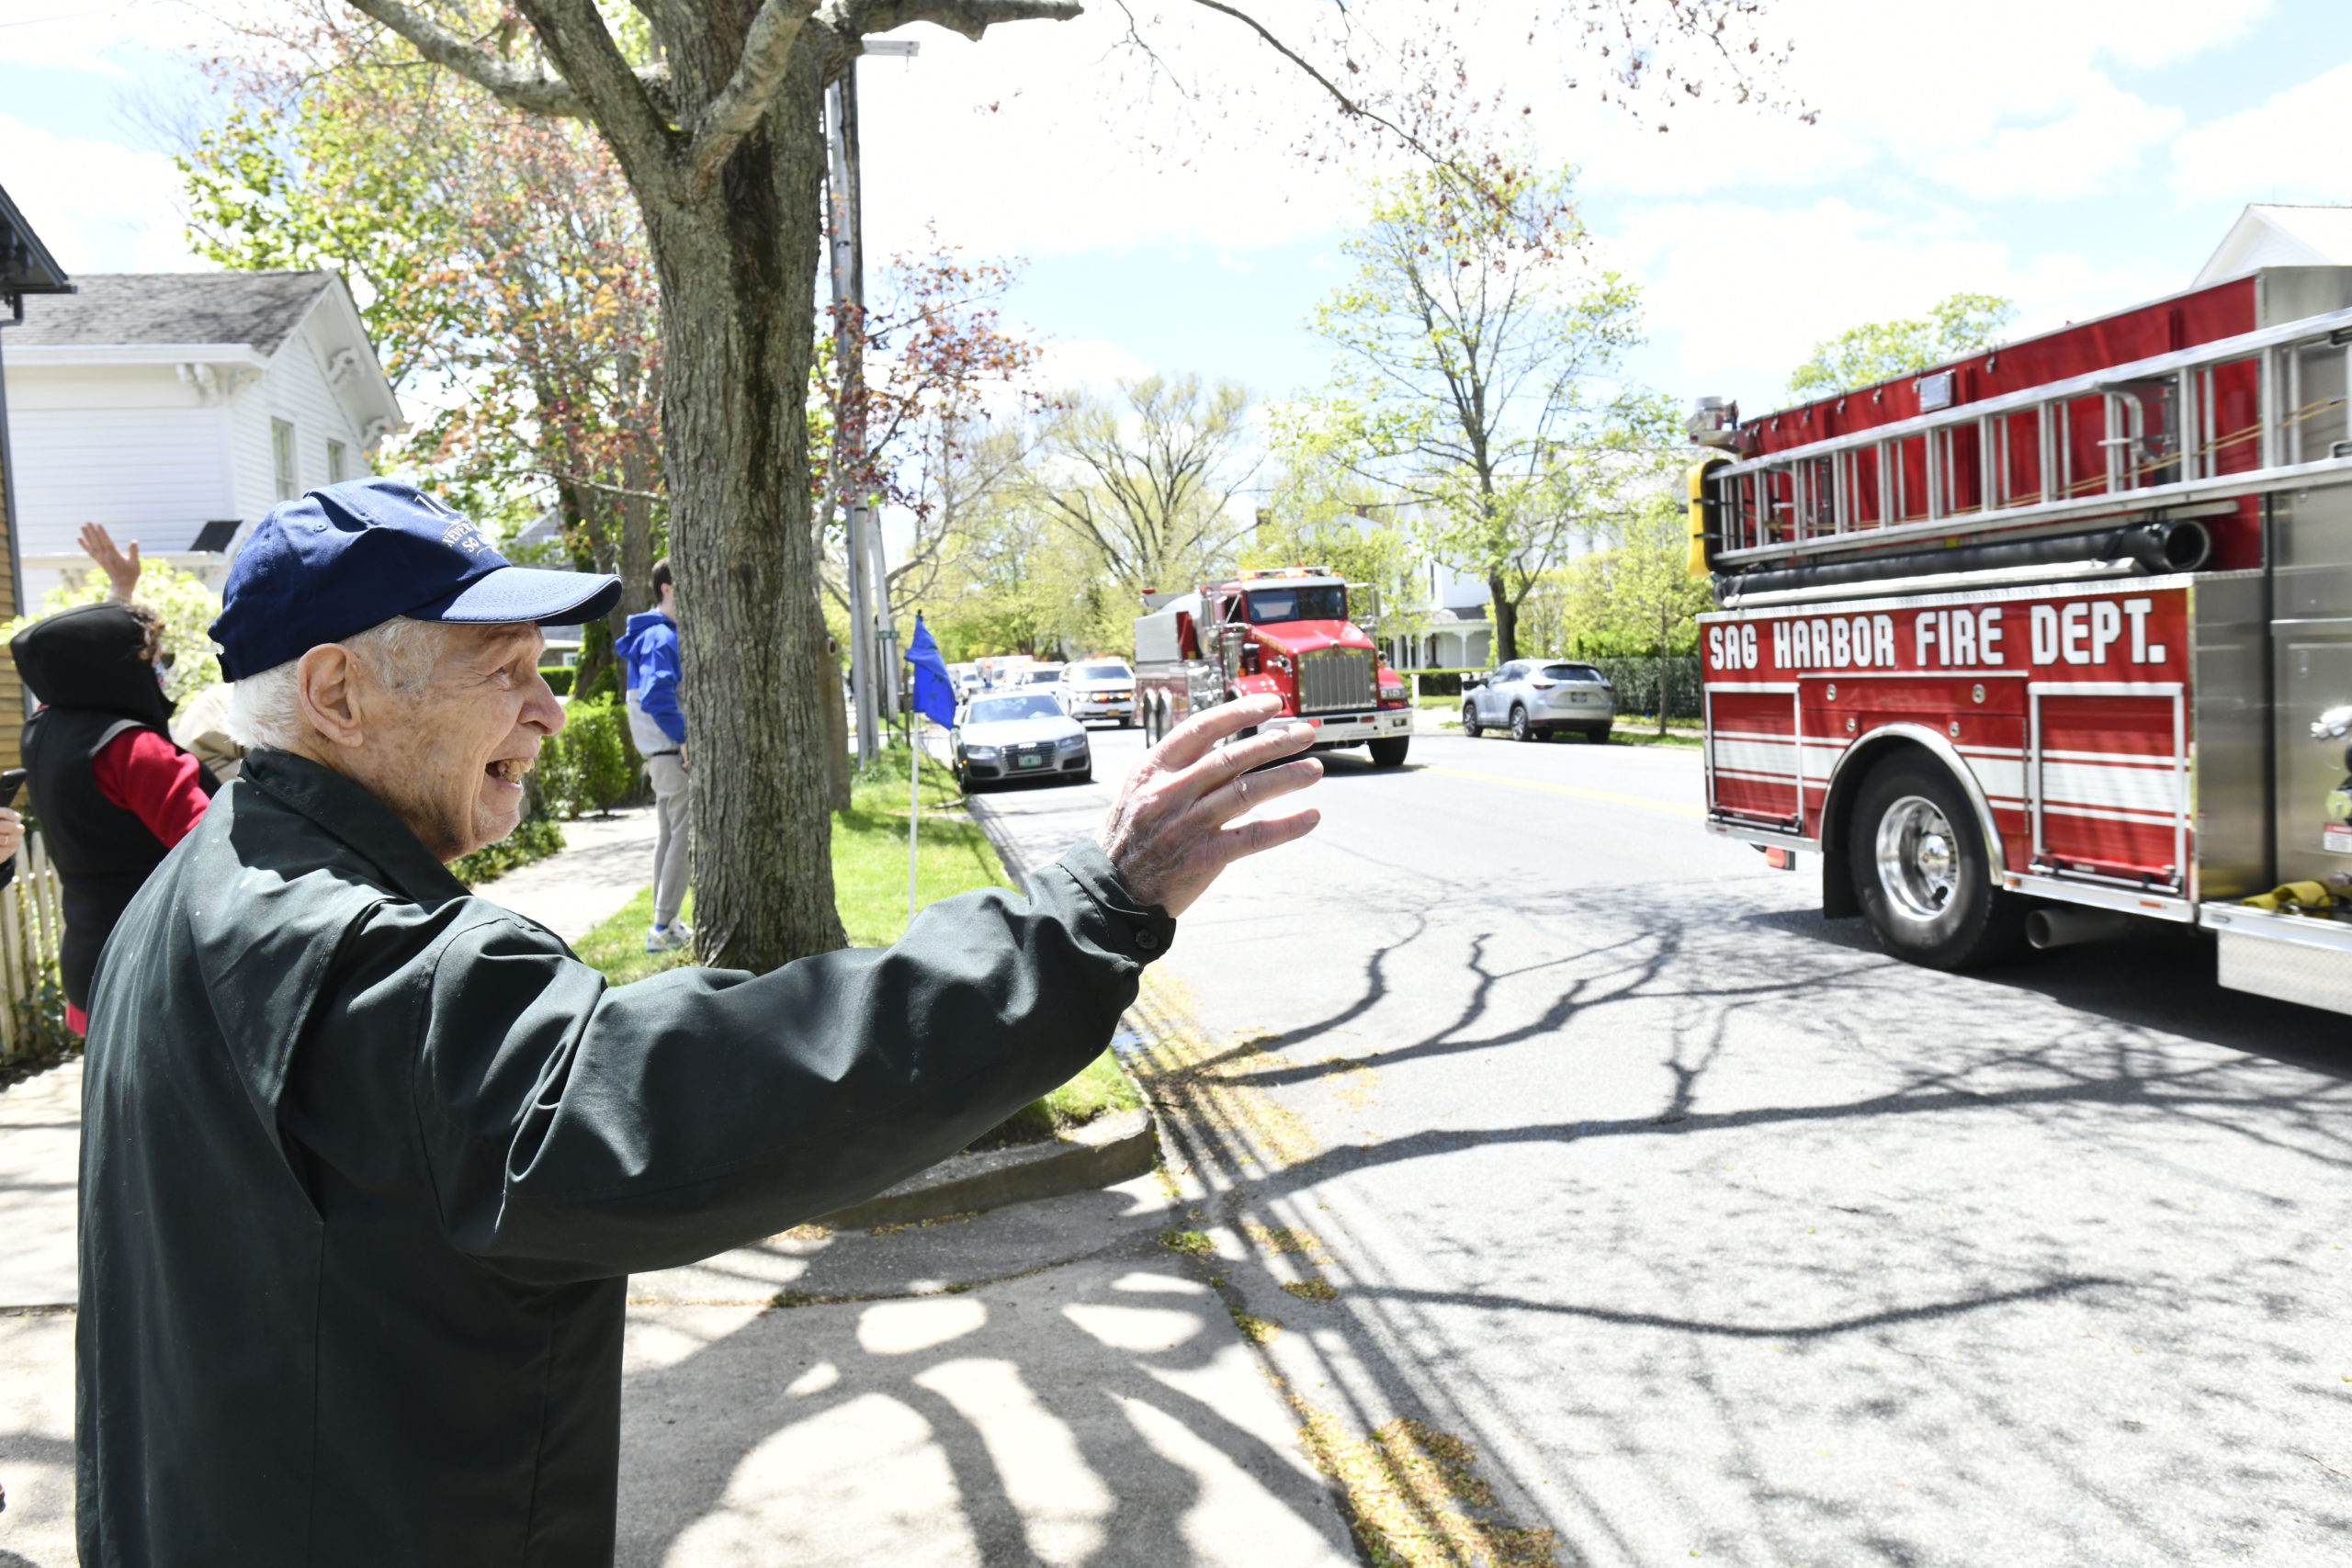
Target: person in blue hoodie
<point>648,654</point>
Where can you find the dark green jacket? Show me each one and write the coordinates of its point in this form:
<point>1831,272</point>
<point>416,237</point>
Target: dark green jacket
<point>365,1160</point>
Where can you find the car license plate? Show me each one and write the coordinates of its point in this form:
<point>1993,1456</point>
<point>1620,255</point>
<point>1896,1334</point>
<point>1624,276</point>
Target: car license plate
<point>1576,696</point>
<point>1028,761</point>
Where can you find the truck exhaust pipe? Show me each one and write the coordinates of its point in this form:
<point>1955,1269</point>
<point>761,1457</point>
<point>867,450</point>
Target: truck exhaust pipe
<point>2046,929</point>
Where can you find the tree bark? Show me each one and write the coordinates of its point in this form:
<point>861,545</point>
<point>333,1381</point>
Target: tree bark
<point>1505,615</point>
<point>738,322</point>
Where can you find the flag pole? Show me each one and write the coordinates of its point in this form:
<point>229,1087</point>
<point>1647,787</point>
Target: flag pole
<point>914,805</point>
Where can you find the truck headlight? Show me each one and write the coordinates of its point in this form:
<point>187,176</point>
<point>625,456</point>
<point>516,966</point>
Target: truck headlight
<point>1392,693</point>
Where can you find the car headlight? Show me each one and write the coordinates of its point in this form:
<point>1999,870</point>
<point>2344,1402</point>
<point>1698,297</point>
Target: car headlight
<point>1073,743</point>
<point>980,754</point>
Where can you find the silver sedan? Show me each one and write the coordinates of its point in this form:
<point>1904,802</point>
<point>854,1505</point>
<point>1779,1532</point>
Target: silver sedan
<point>1018,734</point>
<point>1536,697</point>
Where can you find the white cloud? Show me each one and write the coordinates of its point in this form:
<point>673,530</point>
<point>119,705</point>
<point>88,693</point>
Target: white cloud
<point>1043,140</point>
<point>1977,98</point>
<point>99,206</point>
<point>1095,363</point>
<point>1805,275</point>
<point>81,35</point>
<point>2289,146</point>
<point>2105,136</point>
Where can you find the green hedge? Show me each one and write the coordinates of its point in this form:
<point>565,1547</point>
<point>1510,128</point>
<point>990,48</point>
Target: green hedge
<point>1638,679</point>
<point>1439,682</point>
<point>536,839</point>
<point>559,679</point>
<point>590,765</point>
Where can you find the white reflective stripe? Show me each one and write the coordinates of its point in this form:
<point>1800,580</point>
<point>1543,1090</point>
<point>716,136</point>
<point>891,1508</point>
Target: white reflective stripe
<point>2112,814</point>
<point>2158,758</point>
<point>2126,789</point>
<point>1997,775</point>
<point>1755,756</point>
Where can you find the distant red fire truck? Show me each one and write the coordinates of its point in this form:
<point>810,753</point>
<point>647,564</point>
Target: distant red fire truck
<point>2054,635</point>
<point>1286,633</point>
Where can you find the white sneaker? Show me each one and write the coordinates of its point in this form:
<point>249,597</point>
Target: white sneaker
<point>668,938</point>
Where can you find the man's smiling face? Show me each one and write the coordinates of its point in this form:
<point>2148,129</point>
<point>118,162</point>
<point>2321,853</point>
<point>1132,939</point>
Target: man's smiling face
<point>449,754</point>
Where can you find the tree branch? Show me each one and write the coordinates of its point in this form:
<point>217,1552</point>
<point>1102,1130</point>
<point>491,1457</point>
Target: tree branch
<point>534,92</point>
<point>969,18</point>
<point>767,49</point>
<point>1347,105</point>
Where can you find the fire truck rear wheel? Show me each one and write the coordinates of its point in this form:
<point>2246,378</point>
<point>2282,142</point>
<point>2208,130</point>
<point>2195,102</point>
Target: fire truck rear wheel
<point>1921,870</point>
<point>1470,721</point>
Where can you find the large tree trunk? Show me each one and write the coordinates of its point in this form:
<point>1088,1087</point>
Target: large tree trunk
<point>738,320</point>
<point>1505,615</point>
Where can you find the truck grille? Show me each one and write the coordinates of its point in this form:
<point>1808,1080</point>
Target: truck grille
<point>1335,679</point>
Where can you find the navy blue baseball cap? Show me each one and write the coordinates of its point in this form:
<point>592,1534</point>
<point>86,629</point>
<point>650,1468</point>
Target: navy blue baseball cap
<point>351,556</point>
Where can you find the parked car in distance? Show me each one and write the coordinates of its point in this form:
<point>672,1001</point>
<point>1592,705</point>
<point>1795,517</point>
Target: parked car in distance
<point>1100,688</point>
<point>1018,735</point>
<point>1536,697</point>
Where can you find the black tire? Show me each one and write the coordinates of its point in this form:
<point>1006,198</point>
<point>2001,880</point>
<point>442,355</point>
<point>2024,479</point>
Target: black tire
<point>1520,729</point>
<point>1390,752</point>
<point>1597,737</point>
<point>1087,777</point>
<point>1470,729</point>
<point>1932,898</point>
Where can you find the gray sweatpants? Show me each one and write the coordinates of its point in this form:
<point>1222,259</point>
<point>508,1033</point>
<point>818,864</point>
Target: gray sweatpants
<point>673,837</point>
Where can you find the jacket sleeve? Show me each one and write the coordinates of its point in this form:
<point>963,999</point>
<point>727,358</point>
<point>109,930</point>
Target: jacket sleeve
<point>657,691</point>
<point>576,1130</point>
<point>149,776</point>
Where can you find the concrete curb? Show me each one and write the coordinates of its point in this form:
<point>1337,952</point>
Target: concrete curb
<point>1113,1148</point>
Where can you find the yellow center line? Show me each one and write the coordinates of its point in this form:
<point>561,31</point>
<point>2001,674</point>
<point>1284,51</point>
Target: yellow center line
<point>1675,808</point>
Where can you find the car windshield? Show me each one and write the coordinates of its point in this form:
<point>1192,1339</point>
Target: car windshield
<point>1570,672</point>
<point>1099,672</point>
<point>1044,677</point>
<point>1005,710</point>
<point>1327,601</point>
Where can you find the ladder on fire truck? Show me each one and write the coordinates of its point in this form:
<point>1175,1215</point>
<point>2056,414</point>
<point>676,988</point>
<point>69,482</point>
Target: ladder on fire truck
<point>2262,412</point>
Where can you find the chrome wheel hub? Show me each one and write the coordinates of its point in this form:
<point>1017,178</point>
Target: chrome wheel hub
<point>1918,858</point>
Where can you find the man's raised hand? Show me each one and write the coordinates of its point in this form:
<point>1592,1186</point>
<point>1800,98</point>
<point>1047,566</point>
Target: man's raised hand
<point>1172,830</point>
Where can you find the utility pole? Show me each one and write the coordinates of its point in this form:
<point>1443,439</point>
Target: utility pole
<point>874,673</point>
<point>849,421</point>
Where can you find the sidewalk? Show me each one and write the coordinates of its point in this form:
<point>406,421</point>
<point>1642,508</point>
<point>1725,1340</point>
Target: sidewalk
<point>604,861</point>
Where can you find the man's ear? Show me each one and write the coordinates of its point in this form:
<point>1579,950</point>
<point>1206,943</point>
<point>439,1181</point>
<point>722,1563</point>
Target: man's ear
<point>327,683</point>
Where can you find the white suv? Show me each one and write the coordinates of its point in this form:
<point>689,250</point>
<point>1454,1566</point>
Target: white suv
<point>1100,688</point>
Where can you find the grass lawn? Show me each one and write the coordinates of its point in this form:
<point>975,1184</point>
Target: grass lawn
<point>870,890</point>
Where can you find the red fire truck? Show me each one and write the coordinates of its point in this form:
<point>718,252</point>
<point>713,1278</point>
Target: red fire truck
<point>2054,636</point>
<point>1286,633</point>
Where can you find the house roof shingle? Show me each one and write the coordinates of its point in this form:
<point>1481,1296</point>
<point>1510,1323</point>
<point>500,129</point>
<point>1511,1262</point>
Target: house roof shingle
<point>261,308</point>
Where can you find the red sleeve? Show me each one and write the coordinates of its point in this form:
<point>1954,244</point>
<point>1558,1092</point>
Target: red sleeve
<point>145,775</point>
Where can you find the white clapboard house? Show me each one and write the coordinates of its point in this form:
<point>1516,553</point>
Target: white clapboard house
<point>177,408</point>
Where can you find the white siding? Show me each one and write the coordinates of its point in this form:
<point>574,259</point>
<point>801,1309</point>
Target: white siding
<point>133,447</point>
<point>147,453</point>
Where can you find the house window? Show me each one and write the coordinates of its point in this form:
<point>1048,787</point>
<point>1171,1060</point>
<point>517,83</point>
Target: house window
<point>335,463</point>
<point>281,441</point>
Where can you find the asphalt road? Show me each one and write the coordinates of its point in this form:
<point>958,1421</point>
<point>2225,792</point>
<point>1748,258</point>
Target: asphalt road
<point>1720,1234</point>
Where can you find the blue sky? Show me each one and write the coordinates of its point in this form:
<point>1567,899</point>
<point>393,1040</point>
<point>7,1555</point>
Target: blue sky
<point>2074,154</point>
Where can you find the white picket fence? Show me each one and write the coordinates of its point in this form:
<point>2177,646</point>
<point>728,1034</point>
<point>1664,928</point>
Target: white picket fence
<point>30,926</point>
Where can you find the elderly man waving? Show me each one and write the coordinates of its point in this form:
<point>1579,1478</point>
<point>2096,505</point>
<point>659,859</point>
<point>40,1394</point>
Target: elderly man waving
<point>367,1159</point>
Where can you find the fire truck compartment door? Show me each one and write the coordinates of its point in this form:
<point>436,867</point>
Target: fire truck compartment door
<point>2314,674</point>
<point>2107,777</point>
<point>1755,763</point>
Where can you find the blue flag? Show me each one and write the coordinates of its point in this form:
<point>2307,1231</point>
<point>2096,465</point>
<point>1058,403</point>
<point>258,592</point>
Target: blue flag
<point>934,687</point>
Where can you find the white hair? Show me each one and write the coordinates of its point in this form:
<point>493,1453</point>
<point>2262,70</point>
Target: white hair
<point>266,710</point>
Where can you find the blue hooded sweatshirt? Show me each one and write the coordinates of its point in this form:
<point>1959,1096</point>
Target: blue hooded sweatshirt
<point>649,652</point>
